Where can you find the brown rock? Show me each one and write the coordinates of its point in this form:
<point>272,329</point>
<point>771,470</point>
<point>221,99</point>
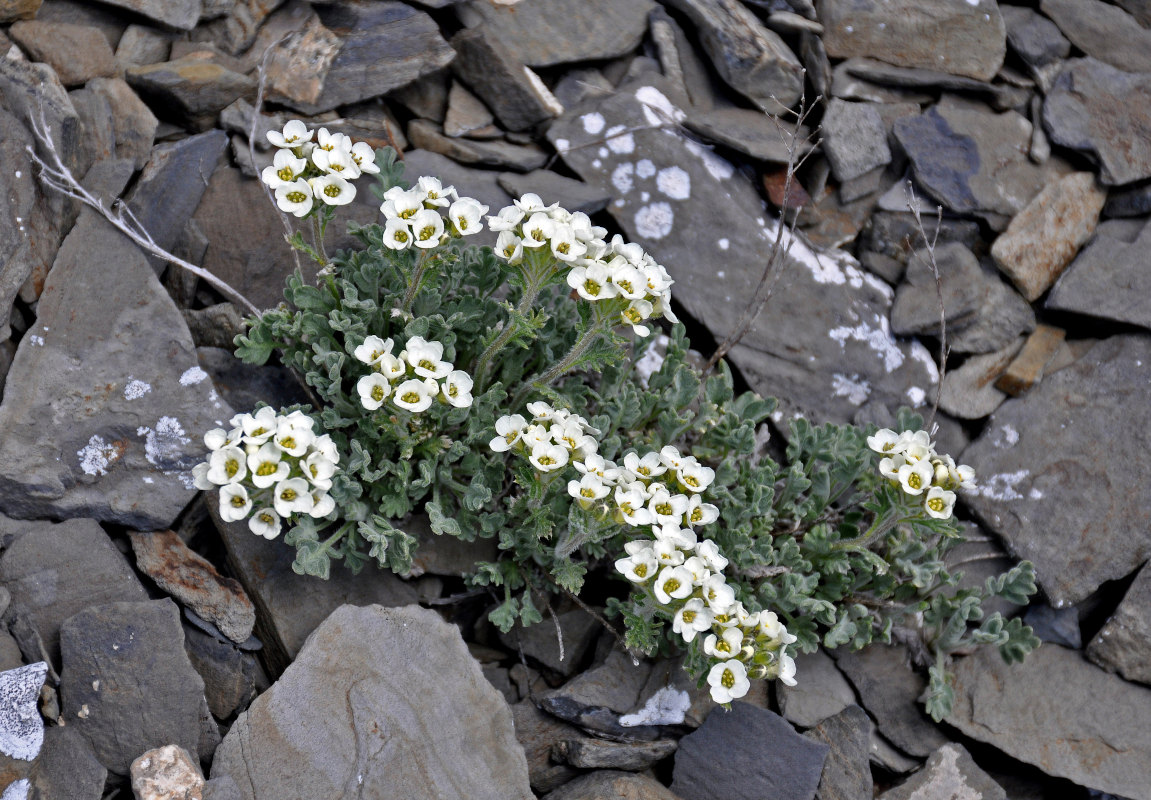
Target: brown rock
<point>494,72</point>
<point>190,90</point>
<point>537,733</point>
<point>192,580</point>
<point>141,44</point>
<point>132,120</point>
<point>969,392</point>
<point>1044,237</point>
<point>1124,643</point>
<point>611,785</point>
<point>78,53</point>
<point>166,773</point>
<point>1028,367</point>
<point>18,9</point>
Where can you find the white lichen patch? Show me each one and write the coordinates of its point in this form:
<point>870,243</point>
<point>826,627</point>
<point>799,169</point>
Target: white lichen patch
<point>674,183</point>
<point>916,396</point>
<point>1002,486</point>
<point>36,341</point>
<point>592,123</point>
<point>877,337</point>
<point>97,456</point>
<point>1035,494</point>
<point>17,790</point>
<point>620,143</point>
<point>654,221</point>
<point>621,177</point>
<point>919,353</point>
<point>644,168</point>
<point>668,706</point>
<point>165,444</point>
<point>723,244</point>
<point>718,167</point>
<point>1005,436</point>
<point>544,93</point>
<point>657,109</point>
<point>135,389</point>
<point>21,726</point>
<point>853,387</point>
<point>192,376</point>
<point>562,146</point>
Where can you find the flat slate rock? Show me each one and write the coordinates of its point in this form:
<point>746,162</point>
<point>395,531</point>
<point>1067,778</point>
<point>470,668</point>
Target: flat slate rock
<point>1124,643</point>
<point>67,768</point>
<point>962,284</point>
<point>544,33</point>
<point>110,367</point>
<point>78,53</point>
<point>822,693</point>
<point>383,703</point>
<point>1036,39</point>
<point>612,785</point>
<point>1045,467</point>
<point>586,752</point>
<point>189,90</point>
<point>855,140</point>
<point>180,14</point>
<point>537,732</point>
<point>127,684</point>
<point>493,153</point>
<point>1103,31</point>
<point>757,135</point>
<point>614,684</point>
<point>133,122</point>
<point>552,187</point>
<point>666,187</point>
<point>1109,279</point>
<point>1102,111</point>
<point>969,391</point>
<point>747,753</point>
<point>949,773</point>
<point>961,38</point>
<point>1060,713</point>
<point>846,772</point>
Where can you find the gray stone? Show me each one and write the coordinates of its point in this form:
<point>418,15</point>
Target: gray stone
<point>895,234</point>
<point>229,675</point>
<point>950,772</point>
<point>21,726</point>
<point>1046,462</point>
<point>426,97</point>
<point>77,53</point>
<point>357,709</point>
<point>180,14</point>
<point>755,134</point>
<point>132,120</point>
<point>142,44</point>
<point>537,733</point>
<point>96,123</point>
<point>67,768</point>
<point>917,78</point>
<point>11,10</point>
<point>466,112</point>
<point>221,788</point>
<point>752,60</point>
<point>1060,713</point>
<point>610,785</point>
<point>238,117</point>
<point>549,32</point>
<point>588,753</point>
<point>846,85</point>
<point>10,655</point>
<point>615,684</point>
<point>1033,37</point>
<point>889,689</point>
<point>248,22</point>
<point>825,306</point>
<point>574,195</point>
<point>846,774</point>
<point>1108,279</point>
<point>128,407</point>
<point>672,697</point>
<point>822,693</point>
<point>1100,110</point>
<point>494,71</point>
<point>190,90</point>
<point>1056,625</point>
<point>969,391</point>
<point>57,570</point>
<point>747,752</point>
<point>961,284</point>
<point>496,153</point>
<point>1103,31</point>
<point>971,159</point>
<point>127,684</point>
<point>541,642</point>
<point>1124,643</point>
<point>32,92</point>
<point>215,326</point>
<point>1005,316</point>
<point>578,85</point>
<point>961,38</point>
<point>245,385</point>
<point>291,606</point>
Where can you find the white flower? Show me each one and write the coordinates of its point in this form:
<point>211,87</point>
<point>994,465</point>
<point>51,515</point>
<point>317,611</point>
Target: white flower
<point>318,470</point>
<point>565,246</point>
<point>698,569</point>
<point>683,538</point>
<point>507,220</point>
<point>638,567</point>
<point>531,203</point>
<point>332,141</point>
<point>259,427</point>
<point>595,464</point>
<point>402,204</point>
<point>591,282</point>
<point>337,162</point>
<point>227,465</point>
<point>709,552</point>
<point>672,583</point>
<point>457,388</point>
<point>719,596</point>
<point>234,502</point>
<point>427,228</point>
<point>772,628</point>
<point>542,412</point>
<point>322,505</point>
<point>693,476</point>
<point>327,448</point>
<point>291,496</point>
<point>664,506</point>
<point>509,429</point>
<point>200,477</point>
<point>786,669</point>
<point>509,247</point>
<point>629,250</point>
<point>268,466</point>
<point>293,437</point>
<point>285,168</point>
<point>465,215</point>
<point>627,279</point>
<point>426,358</point>
<point>728,681</point>
<point>434,192</point>
<point>634,315</point>
<point>333,190</point>
<point>547,457</point>
<point>218,437</point>
<point>668,554</point>
<point>415,395</point>
<point>699,512</point>
<point>690,620</point>
<point>671,456</point>
<point>726,645</point>
<point>588,489</point>
<point>571,435</point>
<point>889,467</point>
<point>397,234</point>
<point>295,134</point>
<point>373,390</point>
<point>266,523</point>
<point>373,349</point>
<point>295,197</point>
<point>939,502</point>
<point>391,367</point>
<point>537,230</point>
<point>647,467</point>
<point>884,441</point>
<point>365,158</point>
<point>631,501</point>
<point>536,434</point>
<point>915,478</point>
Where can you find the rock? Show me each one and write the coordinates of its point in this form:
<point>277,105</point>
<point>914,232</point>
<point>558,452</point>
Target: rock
<point>192,580</point>
<point>823,692</point>
<point>847,86</point>
<point>537,733</point>
<point>1003,318</point>
<point>571,194</point>
<point>754,134</point>
<point>588,753</point>
<point>1045,236</point>
<point>671,697</point>
<point>854,139</point>
<point>142,44</point>
<point>846,774</point>
<point>889,689</point>
<point>1033,37</point>
<point>1028,366</point>
<point>166,773</point>
<point>132,120</point>
<point>357,707</point>
<point>960,38</point>
<point>77,53</point>
<point>221,788</point>
<point>10,655</point>
<point>67,768</point>
<point>1098,109</point>
<point>426,97</point>
<point>32,92</point>
<point>466,113</point>
<point>189,90</point>
<point>1059,626</point>
<point>827,307</point>
<point>607,785</point>
<point>961,283</point>
<point>180,14</point>
<point>11,10</point>
<point>750,58</point>
<point>876,72</point>
<point>896,234</point>
<point>1133,201</point>
<point>244,385</point>
<point>615,684</point>
<point>950,772</point>
<point>540,642</point>
<point>1102,31</point>
<point>229,675</point>
<point>747,752</point>
<point>502,154</point>
<point>1107,279</point>
<point>1057,443</point>
<point>291,606</point>
<point>216,326</point>
<point>96,123</point>
<point>238,117</point>
<point>21,726</point>
<point>492,70</point>
<point>130,407</point>
<point>58,570</point>
<point>127,684</point>
<point>549,32</point>
<point>969,391</point>
<point>1122,645</point>
<point>1037,712</point>
<point>971,159</point>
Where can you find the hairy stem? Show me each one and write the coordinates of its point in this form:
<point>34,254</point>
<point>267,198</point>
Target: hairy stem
<point>418,278</point>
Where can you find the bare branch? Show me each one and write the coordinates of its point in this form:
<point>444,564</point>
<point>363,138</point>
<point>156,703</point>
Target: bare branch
<point>57,176</point>
<point>913,206</point>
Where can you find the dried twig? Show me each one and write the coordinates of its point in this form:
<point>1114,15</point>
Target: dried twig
<point>556,622</point>
<point>56,175</point>
<point>913,206</point>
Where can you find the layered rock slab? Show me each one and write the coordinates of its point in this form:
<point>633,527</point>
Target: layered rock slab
<point>380,703</point>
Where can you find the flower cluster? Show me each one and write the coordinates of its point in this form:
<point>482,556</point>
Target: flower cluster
<point>910,460</point>
<point>303,171</point>
<point>419,374</point>
<point>554,438</point>
<point>270,466</point>
<point>414,217</point>
<point>598,269</point>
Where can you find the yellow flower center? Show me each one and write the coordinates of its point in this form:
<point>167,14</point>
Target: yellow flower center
<point>259,431</point>
<point>587,492</point>
<point>936,504</point>
<point>332,190</point>
<point>563,247</point>
<point>728,679</point>
<point>427,232</point>
<point>266,468</point>
<point>914,481</point>
<point>238,501</point>
<point>688,616</point>
<point>671,585</point>
<point>452,391</point>
<point>267,518</point>
<point>723,646</point>
<point>546,461</point>
<point>428,365</point>
<point>591,287</point>
<point>296,197</point>
<point>663,509</point>
<point>633,316</point>
<point>411,397</point>
<point>285,174</point>
<point>289,495</point>
<point>231,467</point>
<point>509,251</point>
<point>377,394</point>
<point>400,236</point>
<point>407,213</point>
<point>462,223</point>
<point>625,285</point>
<point>696,514</point>
<point>641,570</point>
<point>288,443</point>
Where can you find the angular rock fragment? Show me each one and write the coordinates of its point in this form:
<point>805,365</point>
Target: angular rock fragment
<point>589,753</point>
<point>950,772</point>
<point>969,392</point>
<point>494,71</point>
<point>77,53</point>
<point>189,90</point>
<point>11,10</point>
<point>230,676</point>
<point>755,134</point>
<point>166,773</point>
<point>1035,38</point>
<point>1109,278</point>
<point>1103,31</point>
<point>823,693</point>
<point>610,785</point>
<point>180,14</point>
<point>846,773</point>
<point>142,44</point>
<point>1029,364</point>
<point>854,139</point>
<point>496,153</point>
<point>132,120</point>
<point>466,113</point>
<point>33,94</point>
<point>1124,643</point>
<point>537,733</point>
<point>67,768</point>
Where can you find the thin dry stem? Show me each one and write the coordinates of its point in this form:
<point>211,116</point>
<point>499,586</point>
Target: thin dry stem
<point>913,206</point>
